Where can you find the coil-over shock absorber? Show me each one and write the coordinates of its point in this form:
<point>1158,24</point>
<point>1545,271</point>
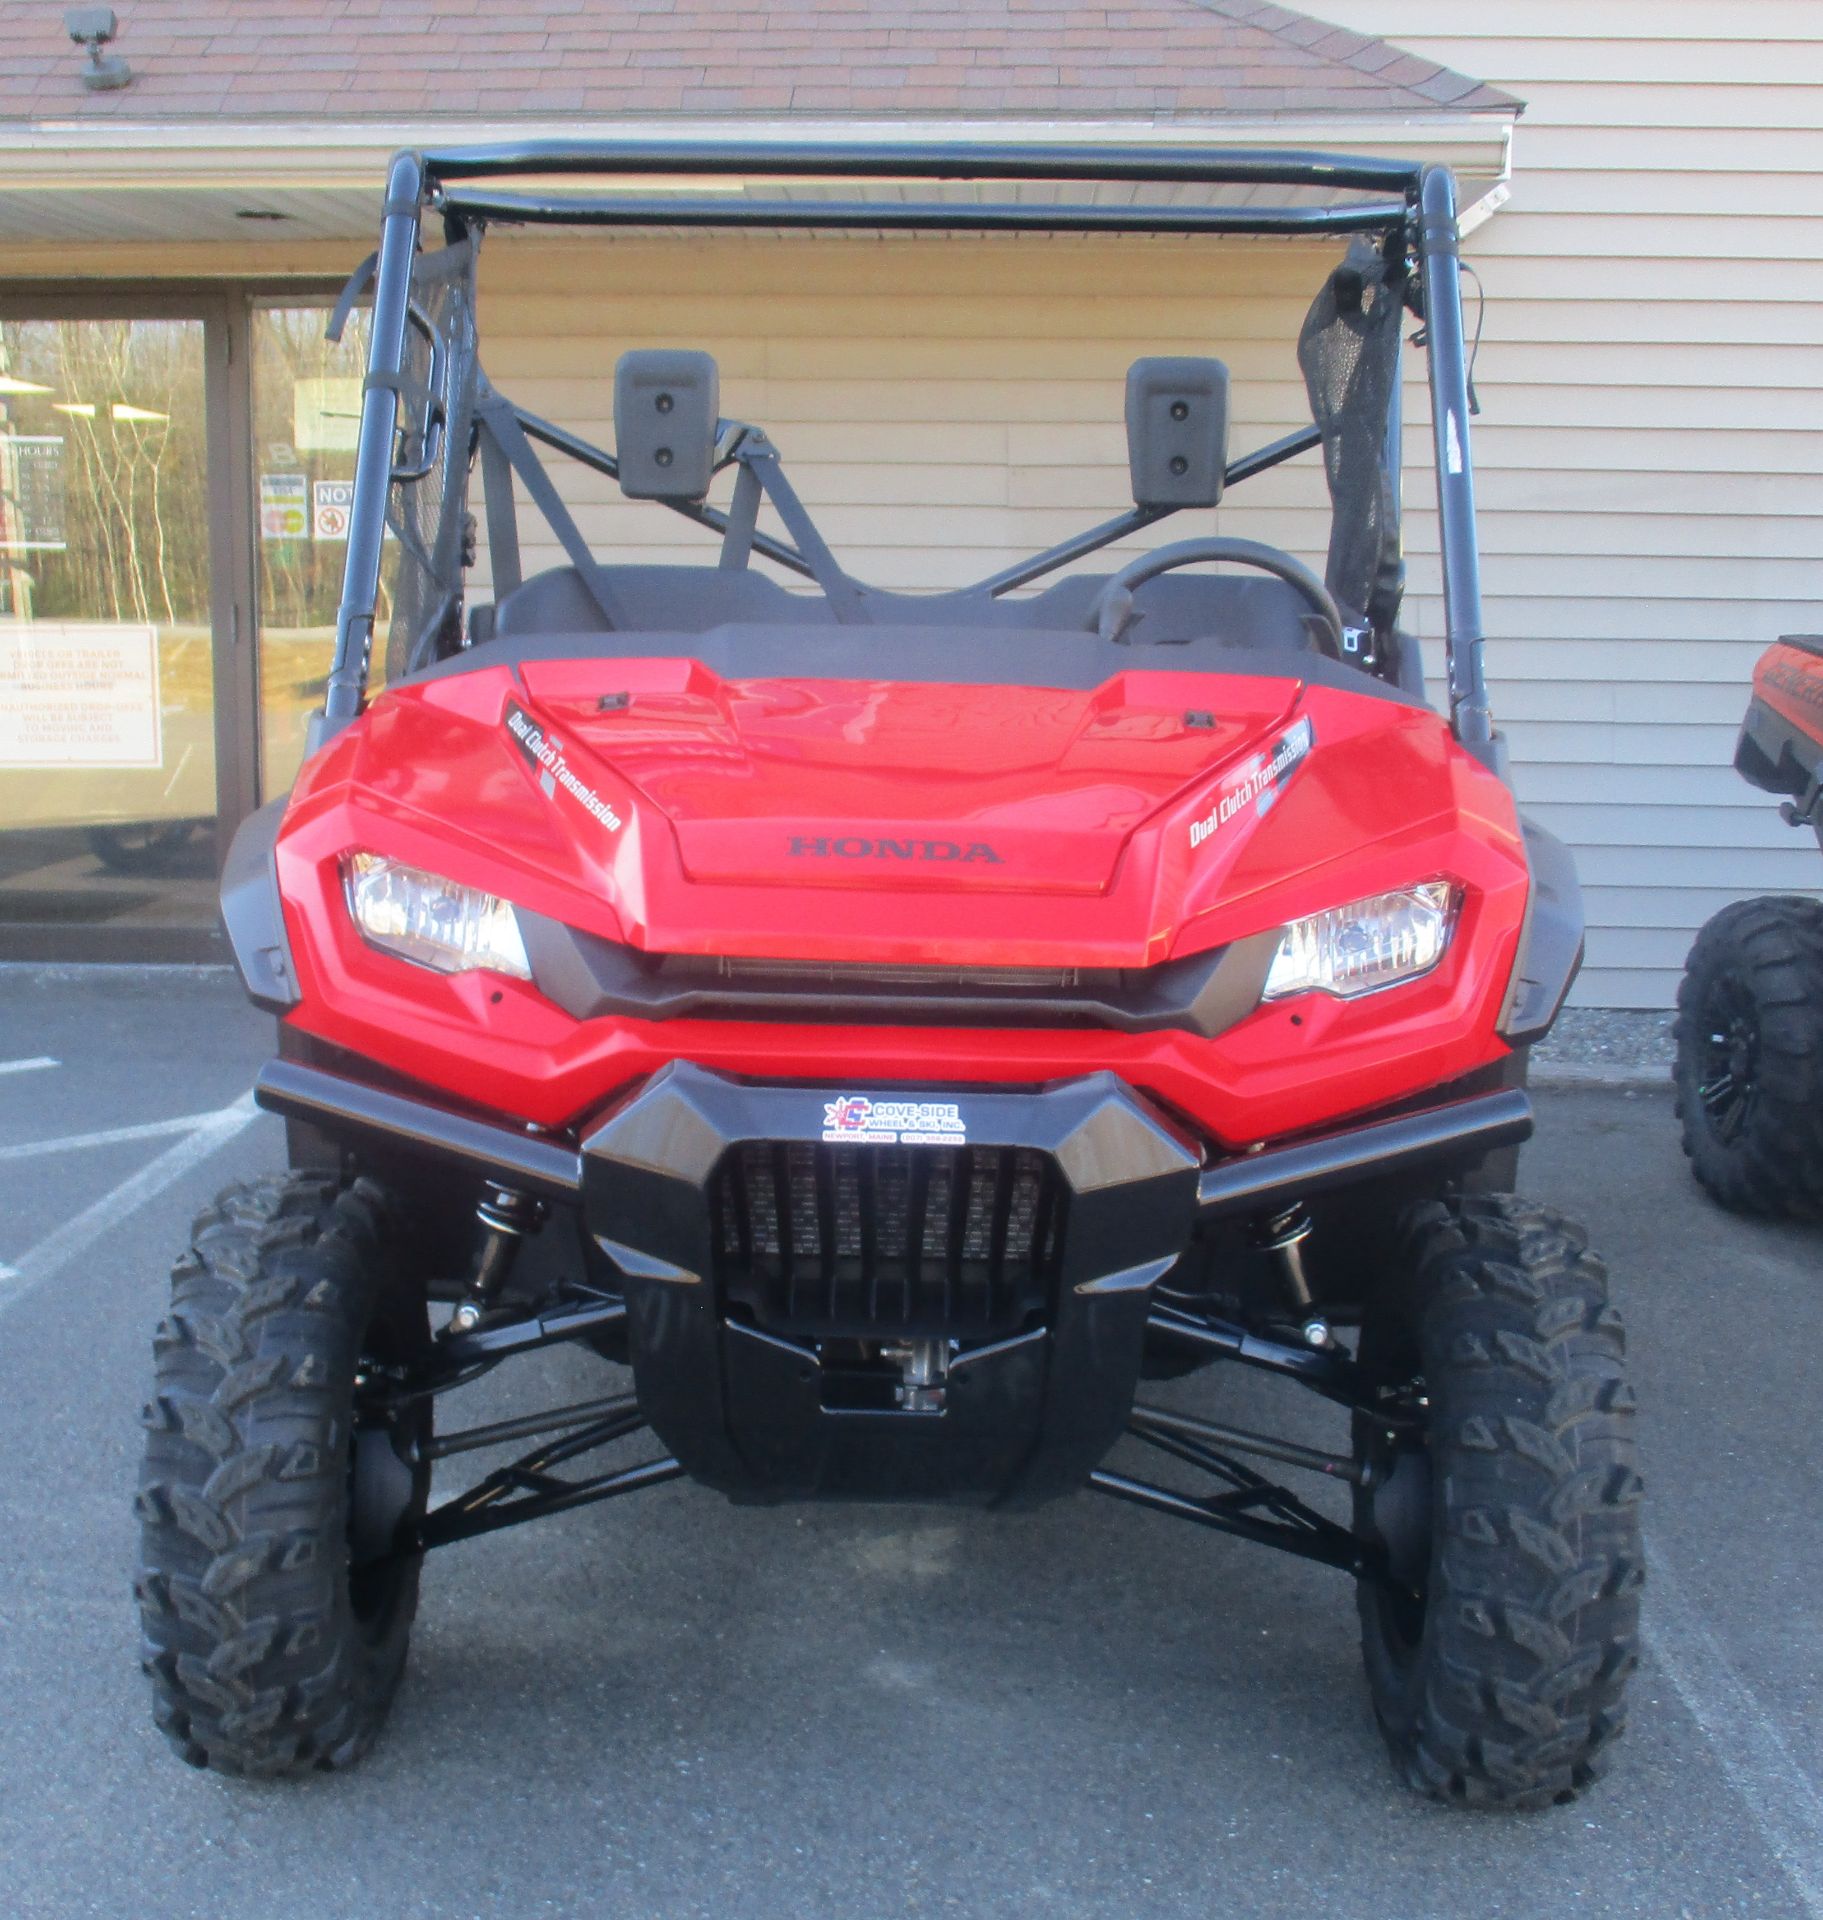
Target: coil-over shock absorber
<point>1282,1236</point>
<point>505,1217</point>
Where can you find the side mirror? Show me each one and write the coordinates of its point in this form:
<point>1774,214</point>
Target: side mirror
<point>667,405</point>
<point>1177,431</point>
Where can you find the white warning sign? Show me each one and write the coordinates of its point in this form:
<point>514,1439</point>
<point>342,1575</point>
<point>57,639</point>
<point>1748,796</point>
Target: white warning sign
<point>330,504</point>
<point>76,694</point>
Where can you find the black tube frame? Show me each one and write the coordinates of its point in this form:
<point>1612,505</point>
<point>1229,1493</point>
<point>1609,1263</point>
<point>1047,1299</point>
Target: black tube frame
<point>1206,1513</point>
<point>1438,246</point>
<point>347,689</point>
<point>917,216</point>
<point>527,1489</point>
<point>937,160</point>
<point>1421,209</point>
<point>1020,573</point>
<point>529,1426</point>
<point>1218,1435</point>
<point>1465,1129</point>
<point>383,1121</point>
<point>603,462</point>
<point>1327,1371</point>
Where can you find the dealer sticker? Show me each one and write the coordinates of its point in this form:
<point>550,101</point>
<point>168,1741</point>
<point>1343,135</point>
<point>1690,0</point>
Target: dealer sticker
<point>1258,784</point>
<point>855,1119</point>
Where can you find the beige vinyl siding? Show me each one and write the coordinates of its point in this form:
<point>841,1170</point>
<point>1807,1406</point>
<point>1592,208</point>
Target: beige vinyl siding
<point>944,406</point>
<point>1651,476</point>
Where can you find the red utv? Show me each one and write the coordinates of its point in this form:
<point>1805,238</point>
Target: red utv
<point>1749,1072</point>
<point>898,1026</point>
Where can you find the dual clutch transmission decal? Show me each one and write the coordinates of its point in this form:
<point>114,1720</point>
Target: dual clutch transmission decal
<point>1258,783</point>
<point>545,755</point>
<point>855,1119</point>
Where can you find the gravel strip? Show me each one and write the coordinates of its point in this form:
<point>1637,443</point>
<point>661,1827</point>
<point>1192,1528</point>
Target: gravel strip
<point>1605,1047</point>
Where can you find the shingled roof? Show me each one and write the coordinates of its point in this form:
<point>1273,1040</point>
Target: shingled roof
<point>358,60</point>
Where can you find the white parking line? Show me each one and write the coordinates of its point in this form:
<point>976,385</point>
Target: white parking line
<point>1778,1794</point>
<point>109,1137</point>
<point>36,1064</point>
<point>79,1233</point>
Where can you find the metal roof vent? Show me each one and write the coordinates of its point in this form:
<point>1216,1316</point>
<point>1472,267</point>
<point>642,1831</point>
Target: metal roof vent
<point>94,27</point>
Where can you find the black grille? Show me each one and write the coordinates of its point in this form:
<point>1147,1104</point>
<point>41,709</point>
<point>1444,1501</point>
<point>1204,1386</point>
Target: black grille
<point>596,979</point>
<point>882,1242</point>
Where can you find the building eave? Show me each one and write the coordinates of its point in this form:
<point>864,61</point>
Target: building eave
<point>188,181</point>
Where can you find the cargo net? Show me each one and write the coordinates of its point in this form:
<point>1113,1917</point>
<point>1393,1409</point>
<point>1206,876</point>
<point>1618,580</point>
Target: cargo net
<point>1349,353</point>
<point>427,513</point>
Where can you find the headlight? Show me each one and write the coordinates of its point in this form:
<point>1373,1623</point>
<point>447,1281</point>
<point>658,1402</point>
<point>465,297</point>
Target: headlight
<point>422,917</point>
<point>1365,945</point>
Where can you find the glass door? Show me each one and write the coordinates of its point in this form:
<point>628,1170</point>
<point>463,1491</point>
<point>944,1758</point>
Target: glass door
<point>108,792</point>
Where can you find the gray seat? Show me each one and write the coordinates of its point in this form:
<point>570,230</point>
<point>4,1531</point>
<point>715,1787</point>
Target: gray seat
<point>1248,612</point>
<point>1245,610</point>
<point>655,599</point>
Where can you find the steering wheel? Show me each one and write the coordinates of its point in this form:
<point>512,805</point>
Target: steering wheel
<point>1113,608</point>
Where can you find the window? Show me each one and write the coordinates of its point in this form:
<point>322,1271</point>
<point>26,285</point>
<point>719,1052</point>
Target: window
<point>108,789</point>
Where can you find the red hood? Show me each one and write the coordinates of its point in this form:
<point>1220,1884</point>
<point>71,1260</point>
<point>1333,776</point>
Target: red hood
<point>659,804</point>
<point>787,783</point>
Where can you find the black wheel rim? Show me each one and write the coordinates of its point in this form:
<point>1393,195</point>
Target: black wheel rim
<point>1398,1520</point>
<point>387,1486</point>
<point>1729,1059</point>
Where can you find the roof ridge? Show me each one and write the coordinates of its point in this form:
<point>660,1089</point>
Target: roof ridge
<point>1344,47</point>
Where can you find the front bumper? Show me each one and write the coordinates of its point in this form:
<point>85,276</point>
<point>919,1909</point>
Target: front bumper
<point>392,1123</point>
<point>756,1403</point>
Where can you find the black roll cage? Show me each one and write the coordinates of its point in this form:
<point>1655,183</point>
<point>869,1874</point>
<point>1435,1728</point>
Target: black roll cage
<point>1416,208</point>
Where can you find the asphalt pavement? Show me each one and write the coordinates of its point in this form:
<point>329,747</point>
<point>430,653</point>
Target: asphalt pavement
<point>670,1706</point>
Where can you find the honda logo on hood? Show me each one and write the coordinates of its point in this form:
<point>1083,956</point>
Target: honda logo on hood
<point>855,847</point>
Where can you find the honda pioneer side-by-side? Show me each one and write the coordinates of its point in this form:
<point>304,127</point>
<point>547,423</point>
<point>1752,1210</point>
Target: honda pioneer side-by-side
<point>1749,1029</point>
<point>899,1026</point>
